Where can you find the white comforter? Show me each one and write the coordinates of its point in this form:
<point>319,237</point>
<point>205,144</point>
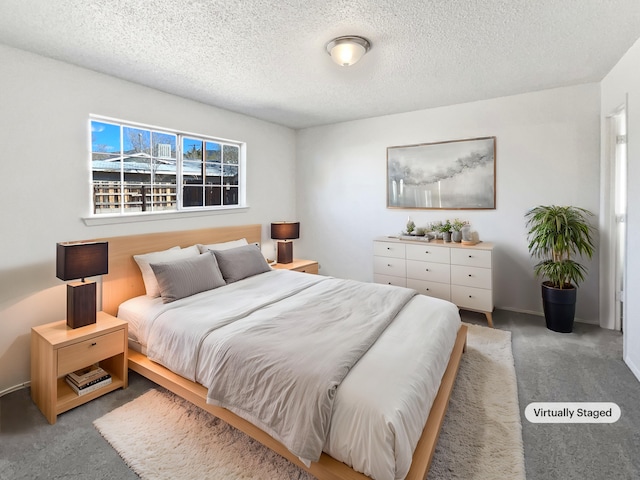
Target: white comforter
<point>381,406</point>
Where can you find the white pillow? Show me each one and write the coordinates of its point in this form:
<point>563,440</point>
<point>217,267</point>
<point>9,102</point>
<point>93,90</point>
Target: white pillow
<point>144,261</point>
<point>222,246</point>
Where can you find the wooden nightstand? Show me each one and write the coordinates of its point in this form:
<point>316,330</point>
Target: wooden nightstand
<point>306,266</point>
<point>57,350</point>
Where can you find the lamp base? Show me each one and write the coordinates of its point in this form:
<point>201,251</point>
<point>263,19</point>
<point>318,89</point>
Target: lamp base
<point>285,252</point>
<point>81,304</point>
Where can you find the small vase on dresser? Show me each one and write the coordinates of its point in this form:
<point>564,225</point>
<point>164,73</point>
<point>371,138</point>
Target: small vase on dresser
<point>466,233</point>
<point>456,236</point>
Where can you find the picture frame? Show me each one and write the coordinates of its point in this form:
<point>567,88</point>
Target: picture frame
<point>449,175</point>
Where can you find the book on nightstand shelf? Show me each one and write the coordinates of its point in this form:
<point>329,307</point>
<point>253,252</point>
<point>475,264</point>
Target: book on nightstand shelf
<point>88,379</point>
<point>90,386</point>
<point>87,374</point>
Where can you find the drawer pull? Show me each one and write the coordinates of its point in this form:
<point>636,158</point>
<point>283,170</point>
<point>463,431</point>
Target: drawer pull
<point>470,256</point>
<point>426,269</point>
<point>93,344</point>
<point>469,274</point>
<point>427,289</point>
<point>388,264</point>
<point>470,296</point>
<point>388,248</point>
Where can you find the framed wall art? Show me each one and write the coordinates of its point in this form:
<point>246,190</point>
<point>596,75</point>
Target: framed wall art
<point>456,174</point>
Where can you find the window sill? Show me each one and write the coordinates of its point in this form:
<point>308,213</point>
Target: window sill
<point>153,216</point>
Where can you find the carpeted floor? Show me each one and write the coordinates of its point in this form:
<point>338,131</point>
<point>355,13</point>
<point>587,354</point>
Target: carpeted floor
<point>582,366</point>
<point>163,437</point>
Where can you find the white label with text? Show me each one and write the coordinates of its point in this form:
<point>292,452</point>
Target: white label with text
<point>572,412</point>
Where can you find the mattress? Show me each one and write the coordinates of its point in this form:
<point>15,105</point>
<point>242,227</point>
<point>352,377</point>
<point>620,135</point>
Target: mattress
<point>381,406</point>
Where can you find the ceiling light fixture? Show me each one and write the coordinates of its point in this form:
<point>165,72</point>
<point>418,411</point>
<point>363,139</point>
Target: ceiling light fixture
<point>346,51</point>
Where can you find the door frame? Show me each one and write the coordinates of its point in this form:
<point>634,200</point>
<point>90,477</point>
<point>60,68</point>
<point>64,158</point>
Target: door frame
<point>607,224</point>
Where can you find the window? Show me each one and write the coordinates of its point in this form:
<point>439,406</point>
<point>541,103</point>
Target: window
<point>209,173</point>
<point>141,169</point>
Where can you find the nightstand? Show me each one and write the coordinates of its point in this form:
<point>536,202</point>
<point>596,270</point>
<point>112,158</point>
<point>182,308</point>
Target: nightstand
<point>57,350</point>
<point>306,266</point>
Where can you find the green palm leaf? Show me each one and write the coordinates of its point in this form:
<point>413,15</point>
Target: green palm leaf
<point>556,234</point>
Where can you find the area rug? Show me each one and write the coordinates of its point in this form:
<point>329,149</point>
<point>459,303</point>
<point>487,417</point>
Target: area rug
<point>161,436</point>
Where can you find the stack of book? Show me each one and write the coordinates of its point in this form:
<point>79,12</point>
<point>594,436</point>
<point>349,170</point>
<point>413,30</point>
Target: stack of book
<point>88,379</point>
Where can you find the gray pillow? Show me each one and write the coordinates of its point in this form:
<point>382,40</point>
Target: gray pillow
<point>185,277</point>
<point>241,262</point>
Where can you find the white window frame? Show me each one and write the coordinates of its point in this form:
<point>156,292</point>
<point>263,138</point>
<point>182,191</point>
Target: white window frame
<point>180,211</point>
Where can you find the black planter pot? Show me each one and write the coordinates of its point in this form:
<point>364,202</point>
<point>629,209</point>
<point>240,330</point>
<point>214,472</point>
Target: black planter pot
<point>559,307</point>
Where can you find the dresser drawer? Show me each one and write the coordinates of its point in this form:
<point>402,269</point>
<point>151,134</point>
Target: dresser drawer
<point>472,298</point>
<point>87,352</point>
<point>390,266</point>
<point>471,257</point>
<point>389,280</point>
<point>428,253</point>
<point>433,272</point>
<point>388,249</point>
<point>431,289</point>
<point>471,276</point>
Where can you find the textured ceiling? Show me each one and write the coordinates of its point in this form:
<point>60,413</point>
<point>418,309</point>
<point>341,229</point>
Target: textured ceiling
<point>267,59</point>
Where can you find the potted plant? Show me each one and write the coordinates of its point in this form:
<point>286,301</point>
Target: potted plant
<point>456,227</point>
<point>445,230</point>
<point>556,234</point>
<point>410,226</point>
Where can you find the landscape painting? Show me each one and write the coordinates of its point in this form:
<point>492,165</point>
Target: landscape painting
<point>457,174</point>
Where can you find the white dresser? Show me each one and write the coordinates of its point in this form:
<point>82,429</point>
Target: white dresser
<point>461,274</point>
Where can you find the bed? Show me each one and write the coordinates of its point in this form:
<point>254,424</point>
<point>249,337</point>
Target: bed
<point>124,286</point>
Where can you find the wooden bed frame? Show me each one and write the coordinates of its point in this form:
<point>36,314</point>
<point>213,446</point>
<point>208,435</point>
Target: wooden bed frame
<point>124,281</point>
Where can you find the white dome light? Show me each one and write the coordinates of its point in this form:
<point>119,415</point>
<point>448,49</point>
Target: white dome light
<point>346,51</point>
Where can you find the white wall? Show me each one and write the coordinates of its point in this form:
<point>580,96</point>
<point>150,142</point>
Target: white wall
<point>623,83</point>
<point>547,153</point>
<point>44,135</point>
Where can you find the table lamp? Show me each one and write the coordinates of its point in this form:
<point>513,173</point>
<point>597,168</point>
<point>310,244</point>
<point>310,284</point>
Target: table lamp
<point>285,231</point>
<point>77,260</point>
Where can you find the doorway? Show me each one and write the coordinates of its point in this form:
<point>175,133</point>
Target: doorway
<point>614,216</point>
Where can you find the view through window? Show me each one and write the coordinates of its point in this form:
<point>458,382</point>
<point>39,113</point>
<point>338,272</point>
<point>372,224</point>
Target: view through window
<point>139,169</point>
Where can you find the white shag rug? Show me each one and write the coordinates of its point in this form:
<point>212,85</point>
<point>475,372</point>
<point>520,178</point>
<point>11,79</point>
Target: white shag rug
<point>161,436</point>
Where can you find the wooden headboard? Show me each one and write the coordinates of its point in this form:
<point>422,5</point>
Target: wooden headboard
<point>124,280</point>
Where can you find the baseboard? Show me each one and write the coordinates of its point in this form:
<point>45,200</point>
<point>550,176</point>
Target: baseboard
<point>590,322</point>
<point>6,391</point>
<point>541,314</point>
<point>520,310</point>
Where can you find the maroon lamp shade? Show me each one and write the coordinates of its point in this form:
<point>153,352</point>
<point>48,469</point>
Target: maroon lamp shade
<point>285,231</point>
<point>81,260</point>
